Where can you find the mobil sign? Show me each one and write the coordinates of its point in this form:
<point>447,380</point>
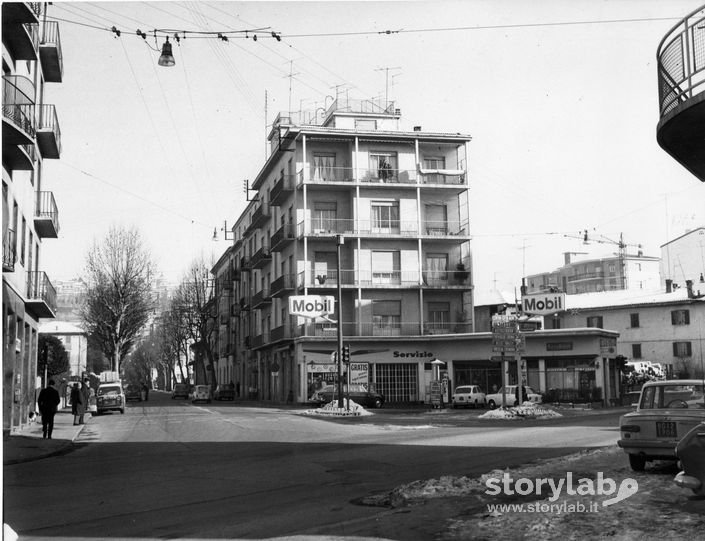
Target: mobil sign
<point>311,305</point>
<point>543,303</point>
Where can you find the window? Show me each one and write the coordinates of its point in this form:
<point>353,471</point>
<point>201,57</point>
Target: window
<point>385,216</point>
<point>682,349</point>
<point>594,321</point>
<point>323,168</point>
<point>434,162</point>
<point>633,320</point>
<point>325,267</point>
<point>22,246</point>
<point>554,323</point>
<point>385,268</point>
<point>680,317</point>
<point>612,268</point>
<point>383,165</point>
<point>386,318</point>
<point>436,272</point>
<point>636,351</point>
<point>438,317</point>
<point>436,220</point>
<point>324,217</point>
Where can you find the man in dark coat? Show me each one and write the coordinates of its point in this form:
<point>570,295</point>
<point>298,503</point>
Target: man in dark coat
<point>48,403</point>
<point>76,402</point>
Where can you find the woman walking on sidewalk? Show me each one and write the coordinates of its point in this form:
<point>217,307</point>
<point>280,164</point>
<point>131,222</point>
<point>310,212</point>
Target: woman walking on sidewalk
<point>77,407</point>
<point>48,402</point>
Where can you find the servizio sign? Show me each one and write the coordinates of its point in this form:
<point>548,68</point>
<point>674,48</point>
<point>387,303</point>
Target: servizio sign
<point>311,305</point>
<point>543,303</point>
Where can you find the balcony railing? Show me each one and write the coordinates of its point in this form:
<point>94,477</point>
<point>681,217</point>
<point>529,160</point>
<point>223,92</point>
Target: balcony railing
<point>259,217</point>
<point>319,174</point>
<point>18,108</point>
<point>384,279</point>
<point>41,295</point>
<point>282,189</point>
<point>50,53</point>
<point>46,217</point>
<point>405,328</point>
<point>9,251</point>
<point>261,257</point>
<point>283,236</point>
<point>586,276</point>
<point>286,283</point>
<point>261,297</point>
<point>49,133</point>
<point>327,227</point>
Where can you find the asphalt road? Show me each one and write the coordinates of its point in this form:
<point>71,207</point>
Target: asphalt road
<point>169,469</point>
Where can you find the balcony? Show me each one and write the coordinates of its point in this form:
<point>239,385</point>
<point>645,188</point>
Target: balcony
<point>19,157</point>
<point>261,298</point>
<point>585,276</point>
<point>283,285</point>
<point>436,230</point>
<point>261,257</point>
<point>9,251</point>
<point>20,29</point>
<point>284,235</point>
<point>259,217</point>
<point>284,332</point>
<point>373,329</point>
<point>17,110</point>
<point>681,86</point>
<point>442,177</point>
<point>46,217</point>
<point>450,230</point>
<point>394,279</point>
<point>41,295</point>
<point>50,53</point>
<point>245,304</point>
<point>48,133</point>
<point>245,264</point>
<point>283,188</point>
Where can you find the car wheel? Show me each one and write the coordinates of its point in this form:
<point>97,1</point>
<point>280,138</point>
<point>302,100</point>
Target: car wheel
<point>378,403</point>
<point>491,404</point>
<point>122,411</point>
<point>637,462</point>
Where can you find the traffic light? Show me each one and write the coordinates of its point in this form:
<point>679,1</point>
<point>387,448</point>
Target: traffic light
<point>346,354</point>
<point>621,361</point>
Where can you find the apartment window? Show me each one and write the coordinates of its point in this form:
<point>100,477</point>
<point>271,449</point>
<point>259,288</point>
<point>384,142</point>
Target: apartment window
<point>436,220</point>
<point>680,317</point>
<point>383,165</point>
<point>594,321</point>
<point>325,267</point>
<point>436,272</point>
<point>636,351</point>
<point>386,318</point>
<point>438,317</point>
<point>385,268</point>
<point>682,349</point>
<point>324,216</point>
<point>612,268</point>
<point>633,320</point>
<point>434,162</point>
<point>23,239</point>
<point>385,216</point>
<point>323,168</point>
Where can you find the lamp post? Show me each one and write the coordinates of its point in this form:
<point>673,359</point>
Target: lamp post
<point>340,240</point>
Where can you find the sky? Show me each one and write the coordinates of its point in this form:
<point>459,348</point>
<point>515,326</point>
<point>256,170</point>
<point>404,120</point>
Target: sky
<point>560,98</point>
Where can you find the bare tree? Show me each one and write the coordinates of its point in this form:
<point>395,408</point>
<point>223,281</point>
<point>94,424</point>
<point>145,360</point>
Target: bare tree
<point>118,300</point>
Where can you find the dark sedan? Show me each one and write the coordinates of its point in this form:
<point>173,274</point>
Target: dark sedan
<point>363,394</point>
<point>224,392</point>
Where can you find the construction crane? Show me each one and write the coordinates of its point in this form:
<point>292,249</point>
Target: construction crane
<point>621,250</point>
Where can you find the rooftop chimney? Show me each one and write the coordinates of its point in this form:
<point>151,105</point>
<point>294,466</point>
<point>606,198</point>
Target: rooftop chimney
<point>669,285</point>
<point>689,288</point>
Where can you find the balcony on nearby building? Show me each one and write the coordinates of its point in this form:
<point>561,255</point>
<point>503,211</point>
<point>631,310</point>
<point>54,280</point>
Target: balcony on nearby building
<point>41,295</point>
<point>19,157</point>
<point>284,332</point>
<point>261,298</point>
<point>21,38</point>
<point>259,217</point>
<point>283,285</point>
<point>50,52</point>
<point>245,264</point>
<point>681,86</point>
<point>282,189</point>
<point>18,126</point>
<point>46,216</point>
<point>386,228</point>
<point>261,257</point>
<point>9,251</point>
<point>586,276</point>
<point>49,133</point>
<point>282,237</point>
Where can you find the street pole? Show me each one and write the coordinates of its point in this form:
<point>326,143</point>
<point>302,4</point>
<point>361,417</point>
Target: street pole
<point>340,240</point>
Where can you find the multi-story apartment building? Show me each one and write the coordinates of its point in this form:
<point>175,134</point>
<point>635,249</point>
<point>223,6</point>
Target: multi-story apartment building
<point>589,275</point>
<point>683,258</point>
<point>393,206</point>
<point>662,327</point>
<point>31,57</point>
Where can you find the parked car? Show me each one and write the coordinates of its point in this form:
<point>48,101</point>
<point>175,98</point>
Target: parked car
<point>133,392</point>
<point>201,393</point>
<point>225,391</point>
<point>465,396</point>
<point>667,411</point>
<point>181,390</point>
<point>110,397</point>
<point>495,399</point>
<point>691,453</point>
<point>360,393</point>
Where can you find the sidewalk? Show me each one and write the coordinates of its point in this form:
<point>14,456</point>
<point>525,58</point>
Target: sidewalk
<point>27,444</point>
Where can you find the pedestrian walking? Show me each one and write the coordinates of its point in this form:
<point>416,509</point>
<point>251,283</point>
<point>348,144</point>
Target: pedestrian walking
<point>48,403</point>
<point>76,402</point>
<point>85,397</point>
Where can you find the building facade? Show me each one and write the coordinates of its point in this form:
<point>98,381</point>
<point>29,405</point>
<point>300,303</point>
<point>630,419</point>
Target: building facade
<point>576,276</point>
<point>351,201</point>
<point>31,58</point>
<point>75,342</point>
<point>683,258</point>
<point>662,327</point>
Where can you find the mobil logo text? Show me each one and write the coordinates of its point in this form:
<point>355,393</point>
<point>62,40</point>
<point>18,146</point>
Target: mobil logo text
<point>543,304</point>
<point>311,305</point>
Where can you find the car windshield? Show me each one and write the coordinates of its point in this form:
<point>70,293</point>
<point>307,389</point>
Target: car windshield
<point>672,396</point>
<point>113,389</point>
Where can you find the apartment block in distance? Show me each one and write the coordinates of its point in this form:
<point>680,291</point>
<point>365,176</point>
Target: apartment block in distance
<point>394,205</point>
<point>31,58</point>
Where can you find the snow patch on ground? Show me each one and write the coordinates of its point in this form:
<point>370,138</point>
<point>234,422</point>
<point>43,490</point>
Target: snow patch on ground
<point>528,410</point>
<point>349,409</point>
